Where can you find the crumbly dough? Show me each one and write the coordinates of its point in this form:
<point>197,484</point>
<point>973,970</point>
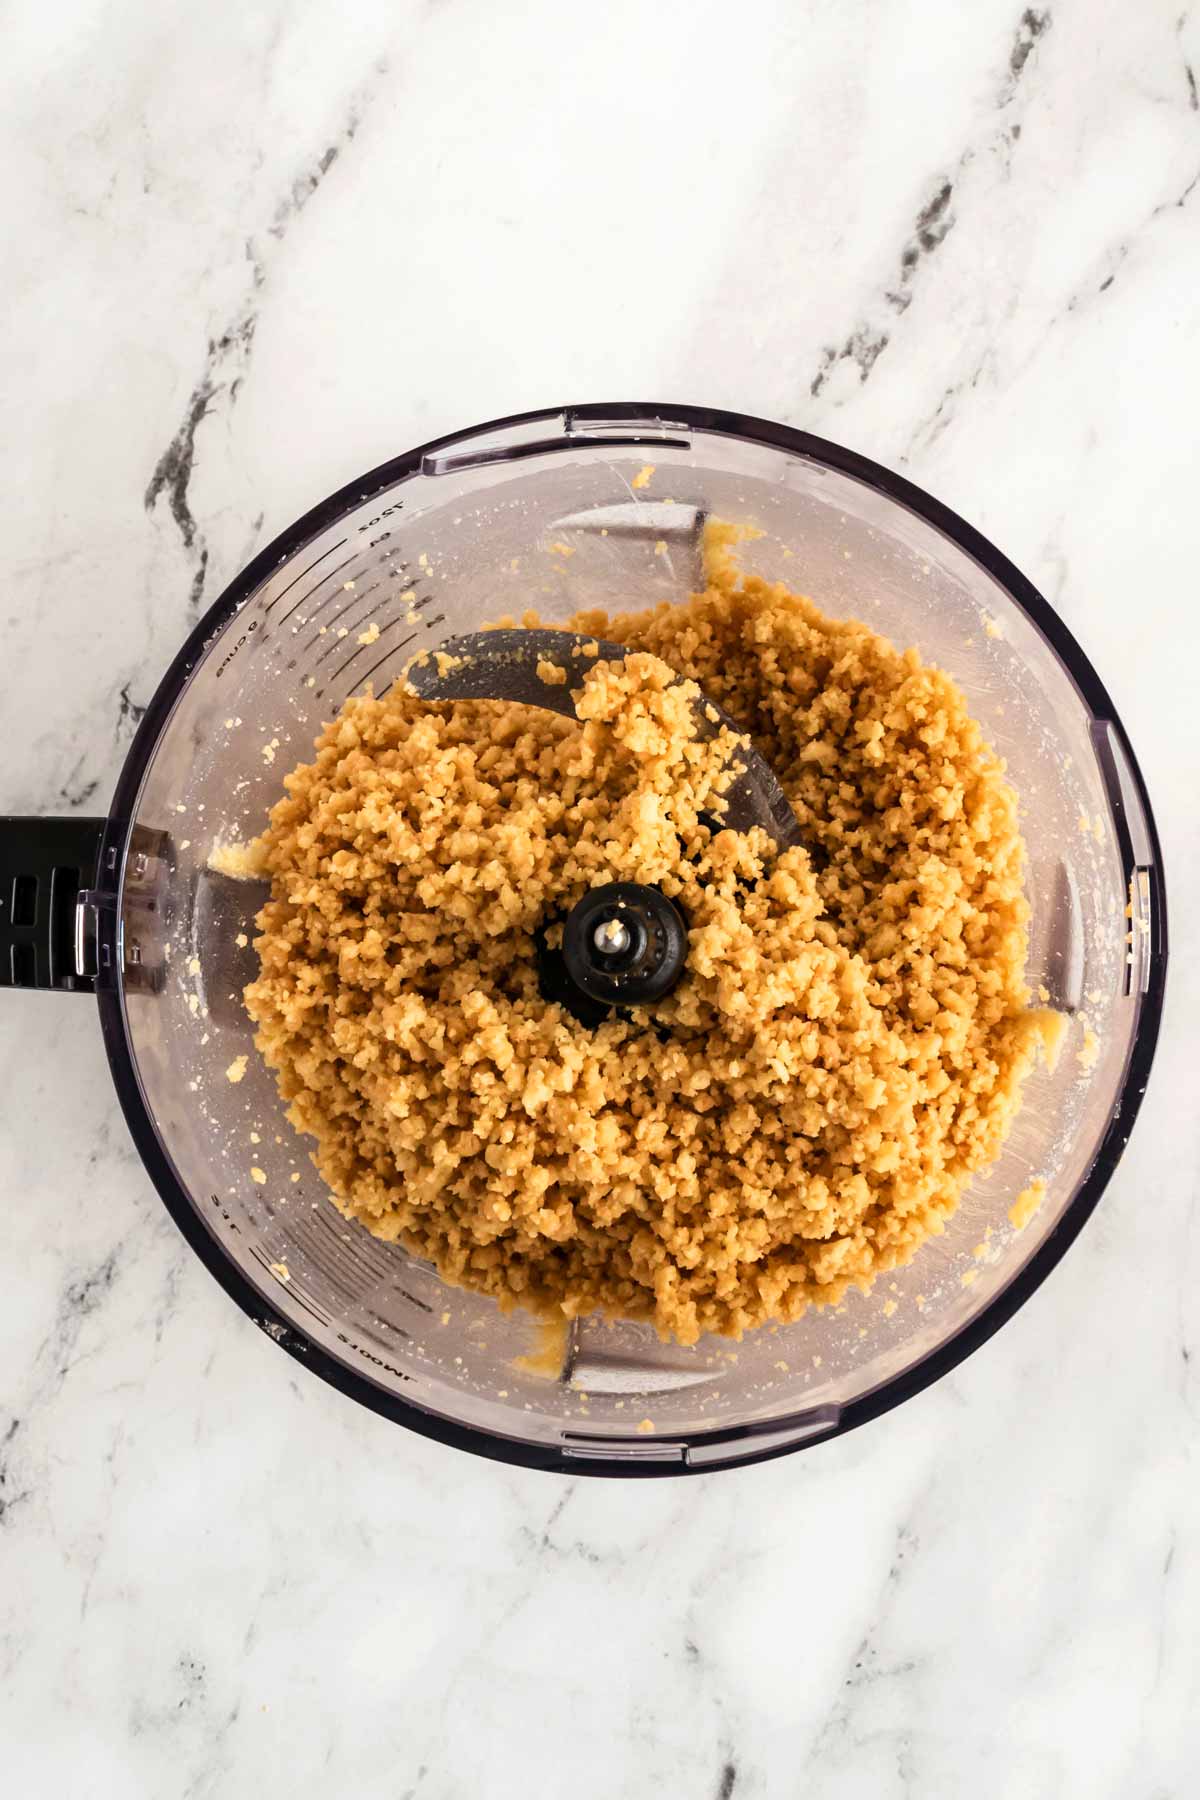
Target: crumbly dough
<point>800,1114</point>
<point>241,862</point>
<point>547,1359</point>
<point>1027,1204</point>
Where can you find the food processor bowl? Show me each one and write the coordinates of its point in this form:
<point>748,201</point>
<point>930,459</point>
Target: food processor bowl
<point>555,511</point>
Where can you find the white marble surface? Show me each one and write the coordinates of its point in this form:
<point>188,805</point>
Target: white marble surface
<point>252,250</point>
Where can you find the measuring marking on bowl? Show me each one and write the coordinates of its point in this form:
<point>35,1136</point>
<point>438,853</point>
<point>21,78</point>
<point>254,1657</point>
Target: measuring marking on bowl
<point>457,533</point>
<point>284,592</point>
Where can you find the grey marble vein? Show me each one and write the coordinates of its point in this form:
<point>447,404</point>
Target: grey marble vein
<point>934,222</point>
<point>228,355</point>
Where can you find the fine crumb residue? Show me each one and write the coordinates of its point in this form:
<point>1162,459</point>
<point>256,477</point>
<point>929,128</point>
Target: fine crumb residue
<point>660,547</point>
<point>242,862</point>
<point>993,627</point>
<point>1051,1028</point>
<point>281,1271</point>
<point>801,1113</point>
<point>969,1276</point>
<point>889,1307</point>
<point>257,1176</point>
<point>645,1426</point>
<point>446,664</point>
<point>561,549</point>
<point>236,1069</point>
<point>268,751</point>
<point>193,1001</point>
<point>551,674</point>
<point>193,967</point>
<point>1026,1204</point>
<point>643,477</point>
<point>370,635</point>
<point>547,1360</point>
<point>1089,1050</point>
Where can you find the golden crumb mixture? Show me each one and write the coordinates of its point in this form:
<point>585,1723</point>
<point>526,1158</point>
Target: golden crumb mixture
<point>846,1045</point>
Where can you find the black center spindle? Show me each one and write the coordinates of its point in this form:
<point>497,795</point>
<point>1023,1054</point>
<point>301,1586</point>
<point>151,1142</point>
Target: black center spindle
<point>624,944</point>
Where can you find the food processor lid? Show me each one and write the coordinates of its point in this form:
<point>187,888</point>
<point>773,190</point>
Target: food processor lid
<point>98,958</point>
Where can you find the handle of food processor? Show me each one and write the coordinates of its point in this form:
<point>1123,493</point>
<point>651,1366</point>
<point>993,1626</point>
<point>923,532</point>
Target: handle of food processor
<point>46,866</point>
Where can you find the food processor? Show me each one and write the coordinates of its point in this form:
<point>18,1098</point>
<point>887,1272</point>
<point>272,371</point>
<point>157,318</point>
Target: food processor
<point>150,910</point>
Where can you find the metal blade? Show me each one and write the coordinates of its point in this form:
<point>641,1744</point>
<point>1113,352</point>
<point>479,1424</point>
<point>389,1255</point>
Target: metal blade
<point>502,665</point>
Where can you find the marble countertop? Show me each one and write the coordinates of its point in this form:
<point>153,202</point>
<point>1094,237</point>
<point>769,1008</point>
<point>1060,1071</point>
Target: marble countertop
<point>253,251</point>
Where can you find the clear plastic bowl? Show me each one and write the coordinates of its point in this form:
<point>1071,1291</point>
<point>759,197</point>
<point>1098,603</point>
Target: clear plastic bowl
<point>458,533</point>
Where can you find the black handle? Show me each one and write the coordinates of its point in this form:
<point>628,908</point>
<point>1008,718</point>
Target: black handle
<point>44,866</point>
